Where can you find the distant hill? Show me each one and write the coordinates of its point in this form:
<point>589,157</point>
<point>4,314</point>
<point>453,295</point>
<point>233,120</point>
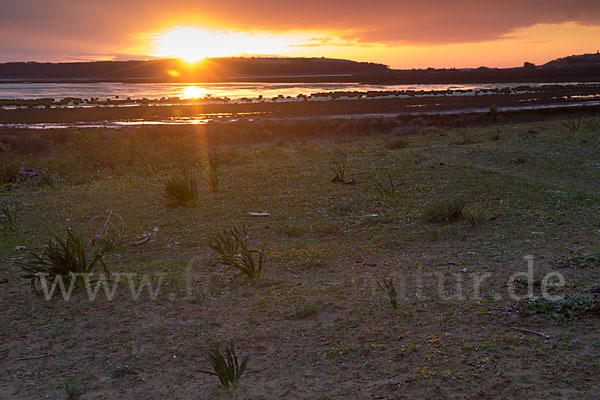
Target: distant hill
<point>177,70</point>
<point>577,68</point>
<point>582,60</point>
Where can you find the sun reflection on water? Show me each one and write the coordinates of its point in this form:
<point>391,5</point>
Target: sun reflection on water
<point>194,92</point>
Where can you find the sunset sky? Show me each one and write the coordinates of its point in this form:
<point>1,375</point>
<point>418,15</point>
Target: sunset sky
<point>402,34</point>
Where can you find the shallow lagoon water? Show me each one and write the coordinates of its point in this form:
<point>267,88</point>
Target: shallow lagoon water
<point>232,90</point>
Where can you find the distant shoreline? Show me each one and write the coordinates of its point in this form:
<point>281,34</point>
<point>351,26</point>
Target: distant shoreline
<point>390,78</point>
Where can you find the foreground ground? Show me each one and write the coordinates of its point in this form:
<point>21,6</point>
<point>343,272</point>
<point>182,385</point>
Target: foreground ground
<point>317,326</point>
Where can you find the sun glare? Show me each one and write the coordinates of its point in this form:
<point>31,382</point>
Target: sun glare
<point>194,92</point>
<point>192,44</point>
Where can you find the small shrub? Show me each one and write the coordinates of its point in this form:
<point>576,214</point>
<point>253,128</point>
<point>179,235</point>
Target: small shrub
<point>182,189</point>
<point>387,189</point>
<point>387,286</point>
<point>232,251</point>
<point>226,367</point>
<point>444,210</point>
<point>62,257</point>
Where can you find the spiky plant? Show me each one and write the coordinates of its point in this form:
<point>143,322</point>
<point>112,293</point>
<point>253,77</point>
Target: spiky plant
<point>214,160</point>
<point>232,251</point>
<point>64,258</point>
<point>48,178</point>
<point>226,367</point>
<point>387,190</point>
<point>8,214</point>
<point>338,166</point>
<point>150,171</point>
<point>182,189</point>
<point>387,287</point>
<point>211,178</point>
<point>223,243</point>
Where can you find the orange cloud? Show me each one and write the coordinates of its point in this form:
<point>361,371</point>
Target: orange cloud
<point>63,29</point>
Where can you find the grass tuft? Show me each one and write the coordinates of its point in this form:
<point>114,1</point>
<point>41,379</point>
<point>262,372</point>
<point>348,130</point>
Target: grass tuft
<point>387,189</point>
<point>48,178</point>
<point>211,178</point>
<point>387,286</point>
<point>232,251</point>
<point>338,166</point>
<point>9,214</point>
<point>182,189</point>
<point>444,210</point>
<point>226,367</point>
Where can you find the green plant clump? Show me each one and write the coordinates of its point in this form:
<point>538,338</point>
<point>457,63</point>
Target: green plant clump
<point>64,258</point>
<point>182,189</point>
<point>387,190</point>
<point>226,367</point>
<point>48,178</point>
<point>211,178</point>
<point>8,215</point>
<point>232,251</point>
<point>338,166</point>
<point>444,210</point>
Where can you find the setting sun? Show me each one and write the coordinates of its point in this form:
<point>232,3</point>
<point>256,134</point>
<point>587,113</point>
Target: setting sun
<point>193,44</point>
